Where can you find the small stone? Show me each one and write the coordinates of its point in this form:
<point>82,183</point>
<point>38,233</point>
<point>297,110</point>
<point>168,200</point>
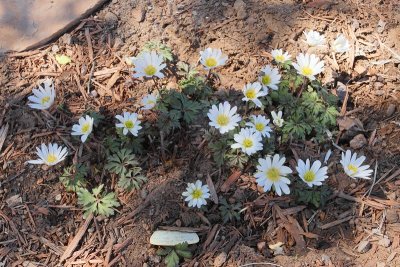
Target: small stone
<point>384,242</point>
<point>341,91</point>
<point>392,216</point>
<point>378,85</point>
<point>380,264</point>
<point>325,259</point>
<point>58,197</point>
<point>55,48</point>
<point>94,93</point>
<point>145,265</point>
<point>172,238</point>
<point>240,8</point>
<point>390,110</point>
<point>261,245</point>
<point>358,141</point>
<point>379,92</point>
<point>139,14</point>
<point>220,259</point>
<point>14,201</point>
<point>111,19</point>
<point>118,43</point>
<point>66,39</point>
<point>363,246</point>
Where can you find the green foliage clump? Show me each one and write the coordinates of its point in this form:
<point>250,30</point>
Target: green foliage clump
<point>74,176</point>
<point>97,203</point>
<point>173,254</point>
<point>124,164</point>
<point>316,196</point>
<point>229,212</point>
<point>308,115</point>
<point>192,84</point>
<point>162,49</point>
<point>176,110</point>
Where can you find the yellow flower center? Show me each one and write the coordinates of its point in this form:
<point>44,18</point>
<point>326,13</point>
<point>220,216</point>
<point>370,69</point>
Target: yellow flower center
<point>129,124</point>
<point>260,126</point>
<point>309,176</point>
<point>306,71</point>
<point>150,70</point>
<point>251,93</point>
<point>247,143</point>
<point>85,127</point>
<point>273,174</point>
<point>352,168</point>
<point>51,158</point>
<point>45,100</point>
<point>197,193</point>
<point>266,79</point>
<point>280,58</point>
<point>222,120</point>
<point>211,62</point>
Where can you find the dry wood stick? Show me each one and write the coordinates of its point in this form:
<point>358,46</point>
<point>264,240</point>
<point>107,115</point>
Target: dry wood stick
<point>74,243</point>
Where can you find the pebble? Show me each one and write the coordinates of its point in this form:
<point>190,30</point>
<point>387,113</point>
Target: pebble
<point>111,19</point>
<point>380,264</point>
<point>139,14</point>
<point>55,48</point>
<point>390,110</point>
<point>118,43</point>
<point>58,197</point>
<point>94,93</point>
<point>384,242</point>
<point>358,141</point>
<point>363,246</point>
<point>172,238</point>
<point>378,85</point>
<point>325,259</point>
<point>220,259</point>
<point>392,216</point>
<point>240,8</point>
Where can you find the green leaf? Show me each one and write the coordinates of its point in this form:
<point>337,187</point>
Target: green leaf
<point>172,259</point>
<point>73,177</point>
<point>96,203</point>
<point>63,59</point>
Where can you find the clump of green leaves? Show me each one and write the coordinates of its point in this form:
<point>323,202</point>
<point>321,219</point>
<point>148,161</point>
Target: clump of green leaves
<point>229,212</point>
<point>193,85</point>
<point>160,48</point>
<point>97,203</point>
<point>173,254</point>
<point>308,115</point>
<point>176,110</point>
<point>74,176</point>
<point>123,163</point>
<point>316,196</point>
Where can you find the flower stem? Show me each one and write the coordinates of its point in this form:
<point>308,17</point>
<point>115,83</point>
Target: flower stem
<point>305,83</point>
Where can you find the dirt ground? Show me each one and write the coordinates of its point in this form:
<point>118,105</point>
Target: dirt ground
<point>38,219</point>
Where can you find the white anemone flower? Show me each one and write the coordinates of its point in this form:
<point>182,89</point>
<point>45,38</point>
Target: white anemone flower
<point>272,172</point>
<point>353,166</point>
<point>149,101</point>
<point>260,124</point>
<point>196,194</point>
<point>252,91</point>
<point>341,44</point>
<point>49,155</point>
<point>223,117</point>
<point>314,38</point>
<point>277,118</point>
<point>129,122</point>
<point>308,65</point>
<point>248,140</point>
<point>279,56</point>
<point>148,64</point>
<point>43,97</point>
<point>269,78</point>
<point>312,174</point>
<point>212,58</point>
<point>83,128</point>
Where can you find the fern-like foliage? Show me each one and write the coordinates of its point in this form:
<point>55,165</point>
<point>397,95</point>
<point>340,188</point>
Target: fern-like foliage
<point>97,203</point>
<point>173,254</point>
<point>123,163</point>
<point>229,212</point>
<point>162,49</point>
<point>73,177</point>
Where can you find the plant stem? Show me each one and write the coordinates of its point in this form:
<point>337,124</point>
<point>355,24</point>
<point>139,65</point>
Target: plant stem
<point>208,75</point>
<point>163,157</point>
<point>155,82</point>
<point>305,83</point>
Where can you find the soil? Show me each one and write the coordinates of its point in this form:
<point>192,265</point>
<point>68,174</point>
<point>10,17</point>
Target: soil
<point>38,218</point>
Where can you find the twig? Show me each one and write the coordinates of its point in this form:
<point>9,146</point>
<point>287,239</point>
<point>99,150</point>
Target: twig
<point>373,182</point>
<point>89,41</point>
<point>74,243</point>
<point>162,146</point>
<point>334,223</point>
<point>91,76</point>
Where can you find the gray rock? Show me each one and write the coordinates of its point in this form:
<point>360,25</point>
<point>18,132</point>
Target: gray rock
<point>358,141</point>
<point>384,242</point>
<point>111,19</point>
<point>240,8</point>
<point>363,246</point>
<point>390,110</point>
